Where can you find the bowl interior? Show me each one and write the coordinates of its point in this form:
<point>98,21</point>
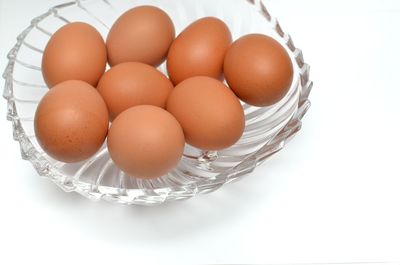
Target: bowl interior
<point>199,170</point>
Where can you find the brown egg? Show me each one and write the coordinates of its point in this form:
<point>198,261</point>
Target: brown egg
<point>199,50</point>
<point>142,34</point>
<point>210,114</point>
<point>146,142</point>
<point>130,84</point>
<point>259,70</point>
<point>75,52</point>
<point>71,122</point>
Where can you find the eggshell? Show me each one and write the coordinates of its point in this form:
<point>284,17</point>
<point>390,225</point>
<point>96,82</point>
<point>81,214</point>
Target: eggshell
<point>146,142</point>
<point>75,52</point>
<point>142,34</point>
<point>210,114</point>
<point>130,84</point>
<point>259,70</point>
<point>199,50</point>
<point>71,122</point>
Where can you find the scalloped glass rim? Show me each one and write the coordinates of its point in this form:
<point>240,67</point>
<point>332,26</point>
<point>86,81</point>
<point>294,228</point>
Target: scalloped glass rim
<point>157,191</point>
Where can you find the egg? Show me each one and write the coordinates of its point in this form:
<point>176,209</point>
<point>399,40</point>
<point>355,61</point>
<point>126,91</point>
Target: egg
<point>210,114</point>
<point>75,52</point>
<point>146,142</point>
<point>130,84</point>
<point>199,50</point>
<point>71,121</point>
<point>142,34</point>
<point>259,70</point>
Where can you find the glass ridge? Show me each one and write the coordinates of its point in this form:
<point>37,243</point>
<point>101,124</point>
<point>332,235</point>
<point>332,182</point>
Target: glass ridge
<point>268,130</point>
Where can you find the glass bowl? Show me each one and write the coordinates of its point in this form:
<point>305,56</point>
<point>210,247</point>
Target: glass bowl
<point>267,129</point>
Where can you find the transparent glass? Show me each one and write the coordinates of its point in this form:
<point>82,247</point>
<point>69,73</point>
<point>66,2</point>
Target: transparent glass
<point>267,129</point>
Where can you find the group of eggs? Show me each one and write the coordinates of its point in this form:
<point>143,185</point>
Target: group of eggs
<point>153,116</point>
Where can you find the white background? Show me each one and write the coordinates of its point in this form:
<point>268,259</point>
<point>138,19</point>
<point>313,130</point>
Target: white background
<point>333,195</point>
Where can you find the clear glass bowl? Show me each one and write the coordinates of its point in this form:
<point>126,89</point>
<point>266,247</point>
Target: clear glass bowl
<point>199,172</point>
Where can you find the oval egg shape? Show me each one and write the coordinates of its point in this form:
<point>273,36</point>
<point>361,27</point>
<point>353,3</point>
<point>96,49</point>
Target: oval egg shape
<point>259,70</point>
<point>142,34</point>
<point>146,142</point>
<point>131,84</point>
<point>71,121</point>
<point>75,52</point>
<point>210,114</point>
<point>199,50</point>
